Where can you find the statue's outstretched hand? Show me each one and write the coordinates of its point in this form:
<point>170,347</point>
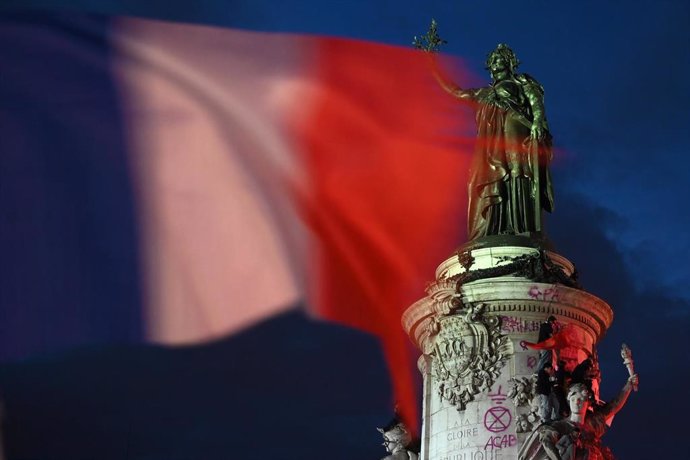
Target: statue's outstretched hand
<point>633,381</point>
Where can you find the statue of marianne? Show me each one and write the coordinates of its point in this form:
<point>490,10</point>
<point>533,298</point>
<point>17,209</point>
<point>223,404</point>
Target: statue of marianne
<point>509,181</point>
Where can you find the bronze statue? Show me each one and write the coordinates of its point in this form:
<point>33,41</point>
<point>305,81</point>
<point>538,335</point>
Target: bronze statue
<point>509,182</point>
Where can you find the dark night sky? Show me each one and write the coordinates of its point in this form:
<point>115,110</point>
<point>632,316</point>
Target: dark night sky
<point>614,75</point>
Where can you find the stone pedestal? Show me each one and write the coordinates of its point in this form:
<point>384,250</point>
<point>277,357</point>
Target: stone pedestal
<point>471,328</point>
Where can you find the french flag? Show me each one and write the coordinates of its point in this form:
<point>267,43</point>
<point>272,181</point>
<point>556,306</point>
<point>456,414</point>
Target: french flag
<point>175,183</point>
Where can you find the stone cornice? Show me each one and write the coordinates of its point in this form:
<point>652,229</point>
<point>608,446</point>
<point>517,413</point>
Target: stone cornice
<point>510,297</point>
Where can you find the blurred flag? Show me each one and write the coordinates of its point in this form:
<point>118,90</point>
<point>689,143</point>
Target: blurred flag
<point>176,183</point>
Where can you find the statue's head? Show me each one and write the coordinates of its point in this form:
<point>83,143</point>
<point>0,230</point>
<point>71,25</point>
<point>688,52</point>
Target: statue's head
<point>502,60</point>
<point>395,437</point>
<point>578,398</point>
<point>523,424</point>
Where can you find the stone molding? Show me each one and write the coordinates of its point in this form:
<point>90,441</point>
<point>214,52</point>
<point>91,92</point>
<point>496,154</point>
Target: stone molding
<point>504,295</point>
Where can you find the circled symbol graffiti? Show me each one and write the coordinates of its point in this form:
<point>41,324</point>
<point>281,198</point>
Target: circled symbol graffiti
<point>497,419</point>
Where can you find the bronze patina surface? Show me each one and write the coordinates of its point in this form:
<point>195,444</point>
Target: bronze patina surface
<point>510,184</point>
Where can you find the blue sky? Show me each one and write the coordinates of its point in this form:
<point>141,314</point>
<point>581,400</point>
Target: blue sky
<point>614,75</point>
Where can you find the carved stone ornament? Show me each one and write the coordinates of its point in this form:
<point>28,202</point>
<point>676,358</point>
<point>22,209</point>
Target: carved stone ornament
<point>528,422</point>
<point>522,390</point>
<point>468,355</point>
<point>465,259</point>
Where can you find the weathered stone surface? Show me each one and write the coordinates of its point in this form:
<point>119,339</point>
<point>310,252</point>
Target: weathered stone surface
<point>467,411</point>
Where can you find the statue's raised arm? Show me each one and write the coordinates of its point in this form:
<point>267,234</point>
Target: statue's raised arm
<point>579,435</point>
<point>449,86</point>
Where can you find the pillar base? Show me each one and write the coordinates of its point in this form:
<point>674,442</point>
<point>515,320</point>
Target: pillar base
<point>470,328</point>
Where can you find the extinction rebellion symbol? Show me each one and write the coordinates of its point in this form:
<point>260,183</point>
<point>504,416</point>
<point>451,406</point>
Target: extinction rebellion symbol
<point>497,418</point>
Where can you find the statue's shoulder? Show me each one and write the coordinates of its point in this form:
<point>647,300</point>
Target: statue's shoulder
<point>479,94</point>
<point>530,82</point>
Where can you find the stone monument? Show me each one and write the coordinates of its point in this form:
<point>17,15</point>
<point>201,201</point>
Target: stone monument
<point>507,335</point>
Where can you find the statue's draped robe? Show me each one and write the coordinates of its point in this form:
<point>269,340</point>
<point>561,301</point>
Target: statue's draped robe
<point>501,195</point>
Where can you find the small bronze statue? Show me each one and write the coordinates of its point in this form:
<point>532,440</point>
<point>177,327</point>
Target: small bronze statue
<point>509,182</point>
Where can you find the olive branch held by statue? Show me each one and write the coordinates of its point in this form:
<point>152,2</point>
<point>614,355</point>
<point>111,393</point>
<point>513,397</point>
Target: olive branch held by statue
<point>430,42</point>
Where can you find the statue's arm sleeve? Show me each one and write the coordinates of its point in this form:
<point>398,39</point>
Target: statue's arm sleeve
<point>454,90</point>
<point>450,87</point>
